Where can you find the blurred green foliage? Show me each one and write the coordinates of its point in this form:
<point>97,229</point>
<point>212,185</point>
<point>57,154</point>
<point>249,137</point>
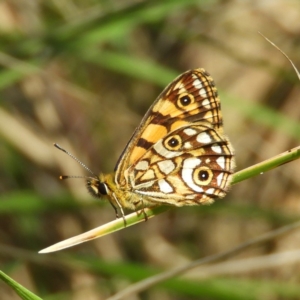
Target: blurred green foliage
<point>83,73</point>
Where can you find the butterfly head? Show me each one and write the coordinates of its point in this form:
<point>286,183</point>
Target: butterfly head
<point>103,185</point>
<point>96,186</point>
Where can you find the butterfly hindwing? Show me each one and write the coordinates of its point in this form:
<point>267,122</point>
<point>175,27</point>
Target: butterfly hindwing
<point>190,165</point>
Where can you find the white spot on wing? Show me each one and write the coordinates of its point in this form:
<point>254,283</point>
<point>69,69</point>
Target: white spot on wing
<point>197,84</point>
<point>190,131</point>
<point>142,165</point>
<point>206,103</point>
<point>191,163</point>
<point>164,186</point>
<point>216,148</point>
<point>202,93</point>
<point>187,173</point>
<point>220,178</point>
<point>187,145</point>
<point>166,166</point>
<point>203,138</point>
<point>210,191</point>
<point>221,162</point>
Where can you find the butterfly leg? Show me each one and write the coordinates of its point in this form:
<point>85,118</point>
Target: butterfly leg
<point>142,210</point>
<point>115,209</point>
<point>145,215</point>
<point>120,208</point>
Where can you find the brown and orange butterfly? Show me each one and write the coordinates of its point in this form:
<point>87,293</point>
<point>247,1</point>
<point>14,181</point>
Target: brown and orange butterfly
<point>178,155</point>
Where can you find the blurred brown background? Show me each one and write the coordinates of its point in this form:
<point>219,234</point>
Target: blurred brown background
<point>82,74</point>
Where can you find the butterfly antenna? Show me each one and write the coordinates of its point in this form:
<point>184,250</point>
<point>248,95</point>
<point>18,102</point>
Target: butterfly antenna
<point>76,159</point>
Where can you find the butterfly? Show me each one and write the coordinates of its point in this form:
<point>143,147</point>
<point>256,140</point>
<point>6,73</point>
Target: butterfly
<point>178,155</point>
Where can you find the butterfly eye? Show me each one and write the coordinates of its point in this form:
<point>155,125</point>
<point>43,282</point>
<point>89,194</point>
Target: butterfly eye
<point>96,187</point>
<point>185,100</point>
<point>173,142</point>
<point>102,188</point>
<point>203,176</point>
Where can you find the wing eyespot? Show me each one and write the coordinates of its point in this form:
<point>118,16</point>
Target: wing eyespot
<point>184,100</point>
<point>173,142</point>
<point>203,176</point>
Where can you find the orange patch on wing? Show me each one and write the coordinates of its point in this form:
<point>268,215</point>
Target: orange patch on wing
<point>136,154</point>
<point>178,124</point>
<point>169,109</point>
<point>152,134</point>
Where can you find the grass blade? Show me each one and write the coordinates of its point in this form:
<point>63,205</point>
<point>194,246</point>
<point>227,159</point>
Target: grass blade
<point>18,288</point>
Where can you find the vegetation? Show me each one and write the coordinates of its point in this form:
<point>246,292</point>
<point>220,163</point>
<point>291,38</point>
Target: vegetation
<point>82,74</point>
